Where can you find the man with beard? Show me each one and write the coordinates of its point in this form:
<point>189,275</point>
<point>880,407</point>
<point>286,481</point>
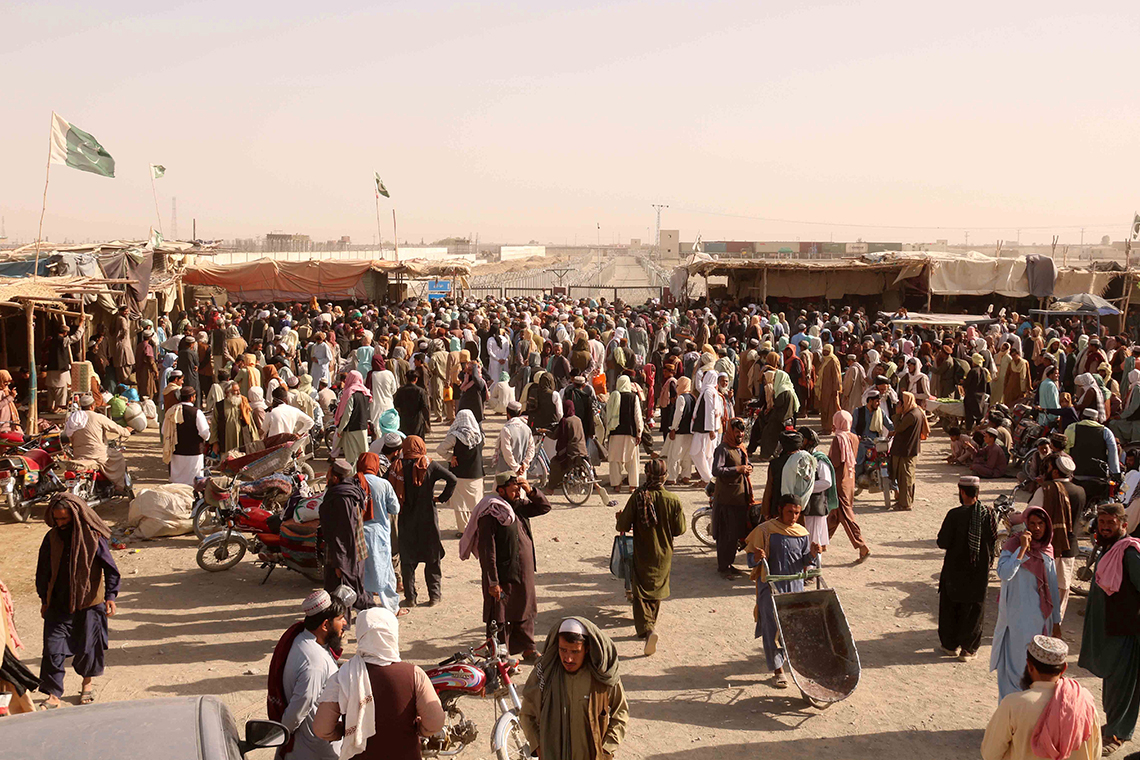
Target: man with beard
<point>1110,643</point>
<point>499,530</point>
<point>1052,716</point>
<point>77,581</point>
<point>967,536</point>
<point>303,660</point>
<point>342,523</point>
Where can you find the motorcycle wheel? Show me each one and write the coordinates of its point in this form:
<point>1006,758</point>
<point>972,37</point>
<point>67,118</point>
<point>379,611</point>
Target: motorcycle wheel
<point>215,556</point>
<point>577,486</point>
<point>206,521</point>
<point>508,740</point>
<point>84,489</point>
<point>702,527</point>
<point>21,509</point>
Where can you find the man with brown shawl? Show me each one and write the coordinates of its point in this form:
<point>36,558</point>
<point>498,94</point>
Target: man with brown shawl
<point>342,525</point>
<point>1017,382</point>
<point>655,516</point>
<point>911,428</point>
<point>1061,498</point>
<point>146,364</point>
<point>829,384</point>
<point>77,581</point>
<point>122,352</point>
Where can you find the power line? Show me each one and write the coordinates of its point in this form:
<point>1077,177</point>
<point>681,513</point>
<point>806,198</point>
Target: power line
<point>1107,225</point>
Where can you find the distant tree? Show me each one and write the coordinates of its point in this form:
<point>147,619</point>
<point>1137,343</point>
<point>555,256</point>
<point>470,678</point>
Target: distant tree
<point>1106,240</point>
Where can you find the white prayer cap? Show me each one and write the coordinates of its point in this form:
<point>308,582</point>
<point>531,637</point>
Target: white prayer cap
<point>570,625</point>
<point>1048,650</point>
<point>316,602</point>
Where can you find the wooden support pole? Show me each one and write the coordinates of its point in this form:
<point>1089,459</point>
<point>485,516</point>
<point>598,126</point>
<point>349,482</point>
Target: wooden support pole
<point>83,340</point>
<point>33,390</point>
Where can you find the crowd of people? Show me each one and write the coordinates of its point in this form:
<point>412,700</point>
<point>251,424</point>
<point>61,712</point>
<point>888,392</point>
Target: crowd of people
<point>725,391</point>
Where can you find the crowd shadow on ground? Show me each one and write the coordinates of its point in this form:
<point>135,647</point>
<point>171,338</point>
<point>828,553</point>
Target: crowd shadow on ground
<point>930,745</point>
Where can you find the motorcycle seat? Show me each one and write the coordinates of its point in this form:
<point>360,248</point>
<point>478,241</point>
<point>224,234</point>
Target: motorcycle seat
<point>38,458</point>
<point>269,539</point>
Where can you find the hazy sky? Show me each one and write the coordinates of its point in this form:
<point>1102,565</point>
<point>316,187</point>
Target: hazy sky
<point>542,120</point>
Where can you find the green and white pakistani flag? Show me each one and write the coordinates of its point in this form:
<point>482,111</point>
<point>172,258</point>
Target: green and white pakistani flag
<point>157,170</point>
<point>1136,226</point>
<point>73,147</point>
<point>380,189</point>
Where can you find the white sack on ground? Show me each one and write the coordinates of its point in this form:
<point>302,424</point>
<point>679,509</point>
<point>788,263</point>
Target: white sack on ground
<point>162,510</point>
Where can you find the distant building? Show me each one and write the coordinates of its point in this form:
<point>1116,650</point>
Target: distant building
<point>670,244</point>
<point>283,242</point>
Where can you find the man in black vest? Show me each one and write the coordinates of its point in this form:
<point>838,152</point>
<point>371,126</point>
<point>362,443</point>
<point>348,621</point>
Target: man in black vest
<point>624,421</point>
<point>1110,644</point>
<point>185,431</point>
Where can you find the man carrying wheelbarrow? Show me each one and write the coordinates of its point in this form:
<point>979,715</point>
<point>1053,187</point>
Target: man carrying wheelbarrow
<point>788,549</point>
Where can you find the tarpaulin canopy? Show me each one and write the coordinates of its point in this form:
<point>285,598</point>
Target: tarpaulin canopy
<point>940,320</point>
<point>270,280</point>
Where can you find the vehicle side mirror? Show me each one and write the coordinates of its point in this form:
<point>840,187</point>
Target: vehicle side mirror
<point>260,734</point>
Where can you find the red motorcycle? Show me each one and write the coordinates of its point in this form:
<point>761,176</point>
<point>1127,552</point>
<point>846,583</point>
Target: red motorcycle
<point>482,671</point>
<point>93,486</point>
<point>27,474</point>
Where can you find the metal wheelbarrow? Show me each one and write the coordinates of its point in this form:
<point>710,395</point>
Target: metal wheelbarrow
<point>818,648</point>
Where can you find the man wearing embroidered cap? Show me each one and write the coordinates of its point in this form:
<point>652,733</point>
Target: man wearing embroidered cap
<point>967,536</point>
<point>574,705</point>
<point>304,658</point>
<point>1052,717</point>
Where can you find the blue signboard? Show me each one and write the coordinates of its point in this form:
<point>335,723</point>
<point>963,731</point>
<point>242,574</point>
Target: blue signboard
<point>438,289</point>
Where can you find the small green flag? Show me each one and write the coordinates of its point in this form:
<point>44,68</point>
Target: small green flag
<point>73,147</point>
<point>380,189</point>
<point>1136,226</point>
<point>157,170</point>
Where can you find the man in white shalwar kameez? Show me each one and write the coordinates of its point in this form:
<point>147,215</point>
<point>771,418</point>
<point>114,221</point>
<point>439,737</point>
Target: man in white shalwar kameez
<point>708,418</point>
<point>499,348</point>
<point>184,430</point>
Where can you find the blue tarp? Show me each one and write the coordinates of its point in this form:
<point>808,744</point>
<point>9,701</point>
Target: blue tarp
<point>24,268</point>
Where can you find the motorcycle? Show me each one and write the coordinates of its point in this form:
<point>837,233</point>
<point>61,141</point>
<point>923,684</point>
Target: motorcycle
<point>269,494</point>
<point>1004,508</point>
<point>94,487</point>
<point>876,475</point>
<point>482,675</point>
<point>27,473</point>
<point>1025,432</point>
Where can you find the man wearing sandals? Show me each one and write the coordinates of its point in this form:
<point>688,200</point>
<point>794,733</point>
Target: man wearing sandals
<point>77,582</point>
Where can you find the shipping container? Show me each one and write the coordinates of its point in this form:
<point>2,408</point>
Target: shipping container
<point>767,247</point>
<point>714,247</point>
<point>833,247</point>
<point>739,246</point>
<point>856,248</point>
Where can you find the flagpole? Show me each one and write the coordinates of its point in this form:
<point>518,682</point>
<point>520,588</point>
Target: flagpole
<point>43,208</point>
<point>155,192</point>
<point>379,237</point>
<point>394,235</point>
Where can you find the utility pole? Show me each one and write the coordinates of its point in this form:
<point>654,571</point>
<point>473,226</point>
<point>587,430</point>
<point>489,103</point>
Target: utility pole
<point>173,218</point>
<point>967,238</point>
<point>657,236</point>
<point>1082,244</point>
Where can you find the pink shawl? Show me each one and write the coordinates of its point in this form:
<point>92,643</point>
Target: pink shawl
<point>1066,722</point>
<point>1035,560</point>
<point>1110,568</point>
<point>353,382</point>
<point>491,504</point>
<point>841,445</point>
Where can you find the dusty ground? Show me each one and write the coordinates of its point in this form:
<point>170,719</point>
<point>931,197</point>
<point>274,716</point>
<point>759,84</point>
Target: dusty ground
<point>182,631</point>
